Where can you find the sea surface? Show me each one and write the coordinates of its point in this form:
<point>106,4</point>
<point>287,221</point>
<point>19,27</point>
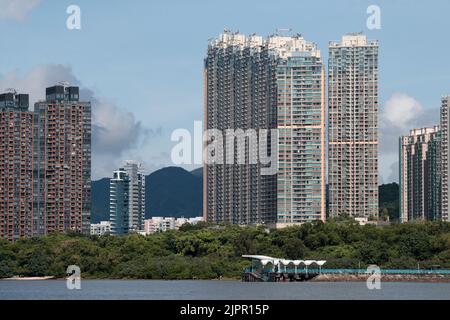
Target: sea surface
<point>218,290</point>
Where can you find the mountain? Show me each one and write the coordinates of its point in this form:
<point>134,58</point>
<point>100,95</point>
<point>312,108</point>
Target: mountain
<point>174,192</point>
<point>198,172</point>
<point>388,195</point>
<point>170,191</point>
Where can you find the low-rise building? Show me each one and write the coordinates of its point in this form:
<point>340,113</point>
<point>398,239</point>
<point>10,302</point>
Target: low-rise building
<point>162,224</point>
<point>180,221</point>
<point>99,229</point>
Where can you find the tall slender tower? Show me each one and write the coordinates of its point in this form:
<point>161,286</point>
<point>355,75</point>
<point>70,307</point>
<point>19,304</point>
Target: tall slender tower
<point>63,162</point>
<point>301,129</point>
<point>445,167</point>
<point>272,83</point>
<point>136,194</point>
<point>16,166</point>
<point>353,127</point>
<point>119,187</point>
<point>127,199</point>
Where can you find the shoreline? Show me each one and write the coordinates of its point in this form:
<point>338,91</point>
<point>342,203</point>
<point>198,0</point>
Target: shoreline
<point>427,278</point>
<point>17,278</point>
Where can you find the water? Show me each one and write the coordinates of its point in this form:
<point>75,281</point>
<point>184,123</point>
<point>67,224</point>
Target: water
<point>218,290</point>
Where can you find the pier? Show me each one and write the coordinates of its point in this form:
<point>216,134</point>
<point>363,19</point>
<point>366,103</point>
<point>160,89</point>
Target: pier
<point>268,269</point>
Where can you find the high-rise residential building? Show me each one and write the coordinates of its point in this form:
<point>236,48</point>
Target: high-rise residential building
<point>118,202</point>
<point>127,199</point>
<point>272,83</point>
<point>16,166</point>
<point>62,173</point>
<point>136,194</point>
<point>353,127</point>
<point>300,111</point>
<point>445,165</point>
<point>420,181</point>
<point>240,93</point>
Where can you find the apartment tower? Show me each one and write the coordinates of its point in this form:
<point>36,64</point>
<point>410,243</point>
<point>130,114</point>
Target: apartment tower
<point>300,79</point>
<point>261,84</point>
<point>16,166</point>
<point>127,199</point>
<point>420,181</point>
<point>445,168</point>
<point>353,127</point>
<point>62,178</point>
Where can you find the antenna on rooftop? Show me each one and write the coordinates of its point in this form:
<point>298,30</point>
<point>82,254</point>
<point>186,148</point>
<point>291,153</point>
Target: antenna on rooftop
<point>11,90</point>
<point>64,83</point>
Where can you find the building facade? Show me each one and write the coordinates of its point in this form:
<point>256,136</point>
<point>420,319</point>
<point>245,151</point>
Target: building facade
<point>445,166</point>
<point>127,199</point>
<point>16,166</point>
<point>180,221</point>
<point>420,180</point>
<point>100,229</point>
<point>263,84</point>
<point>62,173</point>
<point>301,132</point>
<point>136,195</point>
<point>240,93</point>
<point>162,224</point>
<point>159,224</point>
<point>353,127</point>
<point>118,202</point>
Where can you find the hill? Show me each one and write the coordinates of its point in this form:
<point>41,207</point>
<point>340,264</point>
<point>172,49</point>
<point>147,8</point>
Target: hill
<point>170,191</point>
<point>389,201</point>
<point>174,192</point>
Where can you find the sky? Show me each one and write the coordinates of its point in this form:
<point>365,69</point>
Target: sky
<point>140,62</point>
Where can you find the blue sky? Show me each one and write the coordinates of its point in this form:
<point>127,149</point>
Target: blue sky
<point>144,60</point>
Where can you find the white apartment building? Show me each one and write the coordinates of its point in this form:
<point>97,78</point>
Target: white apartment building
<point>180,221</point>
<point>162,224</point>
<point>99,229</point>
<point>353,127</point>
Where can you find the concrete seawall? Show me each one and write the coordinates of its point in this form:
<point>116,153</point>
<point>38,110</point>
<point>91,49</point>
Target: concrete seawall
<point>385,277</point>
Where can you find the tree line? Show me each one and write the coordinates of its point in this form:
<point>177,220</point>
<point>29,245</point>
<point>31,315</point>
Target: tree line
<point>207,251</point>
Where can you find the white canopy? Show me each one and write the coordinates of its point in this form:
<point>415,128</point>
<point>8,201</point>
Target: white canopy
<point>266,260</point>
<point>309,262</point>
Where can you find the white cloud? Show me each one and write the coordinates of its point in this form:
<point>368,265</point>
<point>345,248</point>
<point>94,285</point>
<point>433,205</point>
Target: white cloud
<point>400,114</point>
<point>115,131</point>
<point>401,110</point>
<point>16,9</point>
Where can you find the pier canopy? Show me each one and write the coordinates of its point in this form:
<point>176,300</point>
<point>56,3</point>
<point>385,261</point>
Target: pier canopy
<point>265,260</point>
